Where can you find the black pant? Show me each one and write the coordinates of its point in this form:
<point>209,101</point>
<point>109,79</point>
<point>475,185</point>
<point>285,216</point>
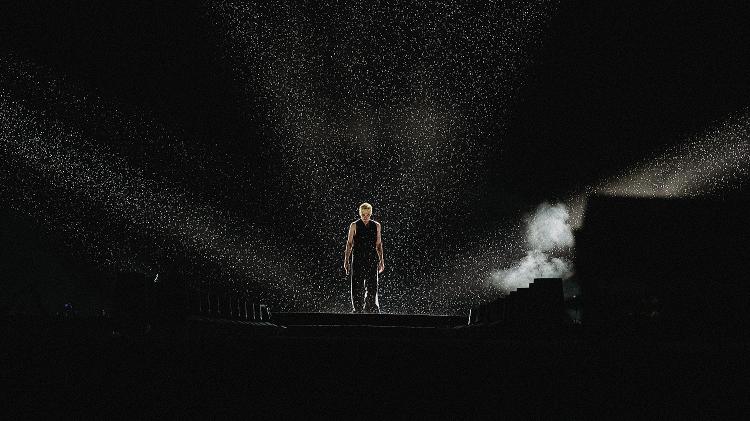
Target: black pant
<point>365,287</point>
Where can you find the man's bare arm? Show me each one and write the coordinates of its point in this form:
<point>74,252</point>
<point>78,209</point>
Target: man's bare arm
<point>349,242</point>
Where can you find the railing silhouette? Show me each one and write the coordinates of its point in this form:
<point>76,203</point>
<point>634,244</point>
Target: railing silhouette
<point>226,304</point>
<point>167,299</point>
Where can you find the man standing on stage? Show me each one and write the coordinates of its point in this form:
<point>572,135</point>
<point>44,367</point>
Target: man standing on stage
<point>364,259</point>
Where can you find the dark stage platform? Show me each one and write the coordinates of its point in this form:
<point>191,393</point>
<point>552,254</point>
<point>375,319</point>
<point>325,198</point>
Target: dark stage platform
<point>367,325</point>
<point>335,325</point>
<point>227,369</point>
<point>368,319</point>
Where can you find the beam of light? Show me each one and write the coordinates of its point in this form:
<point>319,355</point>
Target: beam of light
<point>65,179</point>
<point>714,161</point>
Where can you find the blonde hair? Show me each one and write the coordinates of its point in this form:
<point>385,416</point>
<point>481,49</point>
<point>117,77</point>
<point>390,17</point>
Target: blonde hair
<point>365,207</point>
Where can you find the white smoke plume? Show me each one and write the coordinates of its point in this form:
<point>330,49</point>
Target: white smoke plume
<point>547,230</point>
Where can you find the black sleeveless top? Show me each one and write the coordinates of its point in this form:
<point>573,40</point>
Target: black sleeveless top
<point>364,242</point>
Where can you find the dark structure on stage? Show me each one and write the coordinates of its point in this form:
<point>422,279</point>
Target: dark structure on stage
<point>525,310</point>
<point>671,266</point>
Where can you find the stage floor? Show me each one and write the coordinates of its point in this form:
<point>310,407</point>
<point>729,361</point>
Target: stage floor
<point>368,319</point>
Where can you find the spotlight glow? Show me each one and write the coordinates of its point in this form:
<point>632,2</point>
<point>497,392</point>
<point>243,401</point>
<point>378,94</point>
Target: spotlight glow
<point>712,162</point>
<point>393,104</point>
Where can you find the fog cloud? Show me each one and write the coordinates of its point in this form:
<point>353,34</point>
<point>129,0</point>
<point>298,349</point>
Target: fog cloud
<point>547,230</point>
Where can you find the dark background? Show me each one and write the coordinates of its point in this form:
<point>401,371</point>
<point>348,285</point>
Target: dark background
<point>606,85</point>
